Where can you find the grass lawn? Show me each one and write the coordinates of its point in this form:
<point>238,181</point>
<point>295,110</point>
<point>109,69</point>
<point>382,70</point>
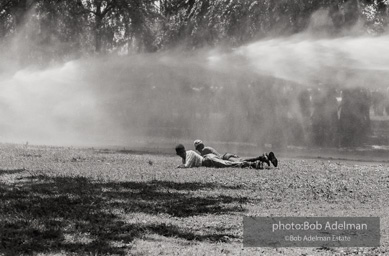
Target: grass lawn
<point>70,201</point>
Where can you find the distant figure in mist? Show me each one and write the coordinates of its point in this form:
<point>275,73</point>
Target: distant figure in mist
<point>387,102</point>
<point>304,99</point>
<point>204,151</point>
<point>378,99</point>
<point>354,119</point>
<point>192,159</point>
<point>325,117</point>
<point>300,133</point>
<point>380,102</point>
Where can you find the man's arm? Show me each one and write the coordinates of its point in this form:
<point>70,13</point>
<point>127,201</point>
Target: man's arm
<point>183,163</point>
<point>189,160</point>
<point>209,150</point>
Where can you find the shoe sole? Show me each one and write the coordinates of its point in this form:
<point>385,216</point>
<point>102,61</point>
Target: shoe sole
<point>273,159</point>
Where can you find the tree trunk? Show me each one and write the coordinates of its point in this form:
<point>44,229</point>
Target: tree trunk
<point>98,38</point>
<point>20,13</point>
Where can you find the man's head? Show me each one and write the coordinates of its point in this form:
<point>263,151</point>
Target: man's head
<point>180,150</point>
<point>199,145</point>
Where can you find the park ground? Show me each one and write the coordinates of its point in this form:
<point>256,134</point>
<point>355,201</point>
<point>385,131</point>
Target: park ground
<point>89,201</point>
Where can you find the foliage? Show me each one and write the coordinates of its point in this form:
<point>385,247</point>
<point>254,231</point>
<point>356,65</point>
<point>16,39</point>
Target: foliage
<point>57,29</point>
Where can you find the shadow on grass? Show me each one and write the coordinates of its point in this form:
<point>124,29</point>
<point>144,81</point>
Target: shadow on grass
<point>3,172</point>
<point>75,215</point>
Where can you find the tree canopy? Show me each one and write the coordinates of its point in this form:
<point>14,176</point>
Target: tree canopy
<point>57,29</point>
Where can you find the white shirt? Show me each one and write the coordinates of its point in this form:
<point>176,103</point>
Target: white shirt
<point>193,159</point>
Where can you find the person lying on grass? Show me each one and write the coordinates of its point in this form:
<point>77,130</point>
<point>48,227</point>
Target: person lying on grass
<point>191,159</point>
<point>267,158</point>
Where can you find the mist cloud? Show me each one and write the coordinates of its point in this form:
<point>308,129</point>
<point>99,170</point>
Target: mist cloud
<point>216,94</point>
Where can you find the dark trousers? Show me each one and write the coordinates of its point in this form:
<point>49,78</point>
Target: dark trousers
<point>215,162</point>
<point>235,158</point>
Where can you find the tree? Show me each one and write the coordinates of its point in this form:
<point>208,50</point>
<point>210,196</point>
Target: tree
<point>101,26</point>
<point>13,13</point>
<point>97,10</point>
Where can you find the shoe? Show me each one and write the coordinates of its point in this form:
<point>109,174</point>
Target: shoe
<point>264,158</point>
<point>273,159</point>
